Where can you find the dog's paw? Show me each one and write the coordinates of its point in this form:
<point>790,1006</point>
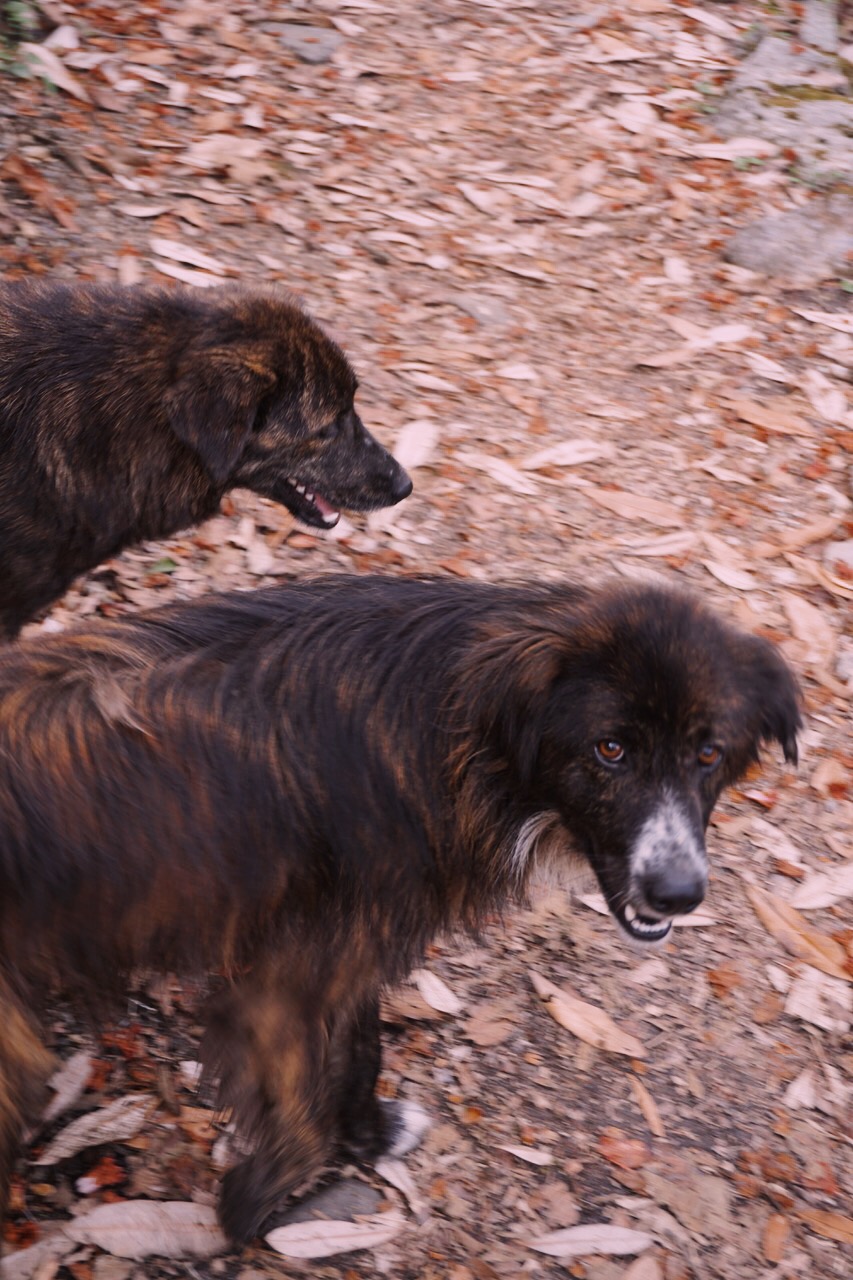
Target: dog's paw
<point>407,1122</point>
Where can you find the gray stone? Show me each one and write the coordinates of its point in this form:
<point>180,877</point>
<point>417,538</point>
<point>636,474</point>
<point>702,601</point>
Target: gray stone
<point>342,1201</point>
<point>310,44</point>
<point>775,64</point>
<point>819,25</point>
<point>801,248</point>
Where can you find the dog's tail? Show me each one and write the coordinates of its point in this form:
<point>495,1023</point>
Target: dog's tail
<point>25,1065</point>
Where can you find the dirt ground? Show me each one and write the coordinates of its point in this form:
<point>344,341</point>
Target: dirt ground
<point>512,216</point>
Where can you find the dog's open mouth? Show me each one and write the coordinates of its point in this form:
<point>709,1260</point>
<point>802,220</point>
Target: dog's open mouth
<point>640,927</point>
<point>310,508</point>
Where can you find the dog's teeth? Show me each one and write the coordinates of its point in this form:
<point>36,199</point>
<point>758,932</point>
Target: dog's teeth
<point>630,914</point>
<point>309,497</point>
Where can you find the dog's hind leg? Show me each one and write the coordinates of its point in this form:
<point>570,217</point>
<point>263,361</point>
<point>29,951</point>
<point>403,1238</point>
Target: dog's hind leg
<point>25,1065</point>
<point>268,1042</point>
<point>370,1126</point>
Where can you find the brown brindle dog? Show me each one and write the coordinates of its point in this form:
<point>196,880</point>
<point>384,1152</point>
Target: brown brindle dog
<point>301,787</point>
<point>126,414</point>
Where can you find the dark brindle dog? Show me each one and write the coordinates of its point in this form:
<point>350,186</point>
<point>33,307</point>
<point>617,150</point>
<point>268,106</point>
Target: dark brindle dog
<point>126,414</point>
<point>302,787</point>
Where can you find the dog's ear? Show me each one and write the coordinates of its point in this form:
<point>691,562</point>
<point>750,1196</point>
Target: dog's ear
<point>511,677</point>
<point>774,696</point>
<point>213,404</point>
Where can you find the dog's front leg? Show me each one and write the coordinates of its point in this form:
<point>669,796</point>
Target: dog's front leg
<point>267,1041</point>
<point>369,1126</point>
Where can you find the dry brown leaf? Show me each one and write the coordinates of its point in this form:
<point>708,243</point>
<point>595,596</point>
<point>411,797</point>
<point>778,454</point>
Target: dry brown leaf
<point>625,1153</point>
<point>199,279</point>
<point>586,1021</point>
<point>645,1268</point>
<point>828,1223</point>
<point>825,398</point>
<point>820,1000</point>
<point>797,937</point>
<point>41,192</point>
<point>491,1023</point>
<point>145,1228</point>
<point>143,210</point>
<point>436,992</point>
<point>830,774</point>
<point>407,1004</point>
<point>119,1121</point>
<point>599,1238</point>
<point>777,1229</point>
<point>395,1173</point>
<point>609,48</point>
<point>324,1239</point>
<point>648,1106</point>
<point>39,1262</point>
<point>772,415</point>
<point>635,506</point>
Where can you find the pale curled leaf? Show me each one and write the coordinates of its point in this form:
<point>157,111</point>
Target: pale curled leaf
<point>150,1228</point>
<point>436,992</point>
<point>737,579</point>
<point>177,252</point>
<point>39,1262</point>
<point>119,1121</point>
<point>47,64</point>
<point>533,1155</point>
<point>601,1238</point>
<point>584,1020</point>
<point>809,624</point>
<point>68,1084</point>
<point>568,453</point>
<point>824,889</point>
<point>416,443</point>
<point>395,1173</point>
<point>635,506</point>
<point>324,1239</point>
<point>840,320</point>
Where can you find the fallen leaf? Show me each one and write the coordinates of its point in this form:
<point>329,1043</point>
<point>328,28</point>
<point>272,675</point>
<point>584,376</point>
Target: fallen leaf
<point>490,1023</point>
<point>609,48</point>
<point>820,1000</point>
<point>645,1268</point>
<point>500,470</point>
<point>737,579</point>
<point>178,252</point>
<point>700,1201</point>
<point>568,453</point>
<point>801,1092</point>
<point>777,1229</point>
<point>395,1173</point>
<point>648,1106</point>
<point>796,936</point>
<point>33,183</point>
<point>143,1228</point>
<point>327,1238</point>
<point>46,63</point>
<point>772,415</point>
<point>416,443</point>
<point>119,1121</point>
<point>625,1153</point>
<point>824,889</point>
<point>828,1223</point>
<point>532,1155</point>
<point>436,992</point>
<point>586,1021</point>
<point>39,1262</point>
<point>68,1084</point>
<point>809,624</point>
<point>830,774</point>
<point>635,506</point>
<point>825,398</point>
<point>840,320</point>
<point>600,1238</point>
<point>199,279</point>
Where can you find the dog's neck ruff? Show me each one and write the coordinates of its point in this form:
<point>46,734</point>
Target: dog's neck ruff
<point>536,838</point>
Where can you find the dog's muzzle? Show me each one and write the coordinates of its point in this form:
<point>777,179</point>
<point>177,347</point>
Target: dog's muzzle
<point>668,873</point>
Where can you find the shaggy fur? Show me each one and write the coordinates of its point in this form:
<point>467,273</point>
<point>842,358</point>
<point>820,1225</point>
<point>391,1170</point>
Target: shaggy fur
<point>301,787</point>
<point>126,414</point>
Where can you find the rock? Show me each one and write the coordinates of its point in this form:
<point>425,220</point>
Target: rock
<point>819,25</point>
<point>801,248</point>
<point>310,44</point>
<point>774,64</point>
<point>342,1201</point>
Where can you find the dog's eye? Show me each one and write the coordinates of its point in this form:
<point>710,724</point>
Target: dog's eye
<point>710,755</point>
<point>609,751</point>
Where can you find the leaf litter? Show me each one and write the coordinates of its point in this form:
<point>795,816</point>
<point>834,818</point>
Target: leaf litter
<point>593,234</point>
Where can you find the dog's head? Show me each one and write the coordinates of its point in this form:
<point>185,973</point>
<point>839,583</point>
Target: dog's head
<point>626,713</point>
<point>265,399</point>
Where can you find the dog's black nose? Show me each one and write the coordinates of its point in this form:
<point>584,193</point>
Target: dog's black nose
<point>675,891</point>
<point>401,486</point>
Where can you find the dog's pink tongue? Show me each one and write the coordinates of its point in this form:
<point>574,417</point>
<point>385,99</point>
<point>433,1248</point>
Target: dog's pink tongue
<point>329,514</point>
